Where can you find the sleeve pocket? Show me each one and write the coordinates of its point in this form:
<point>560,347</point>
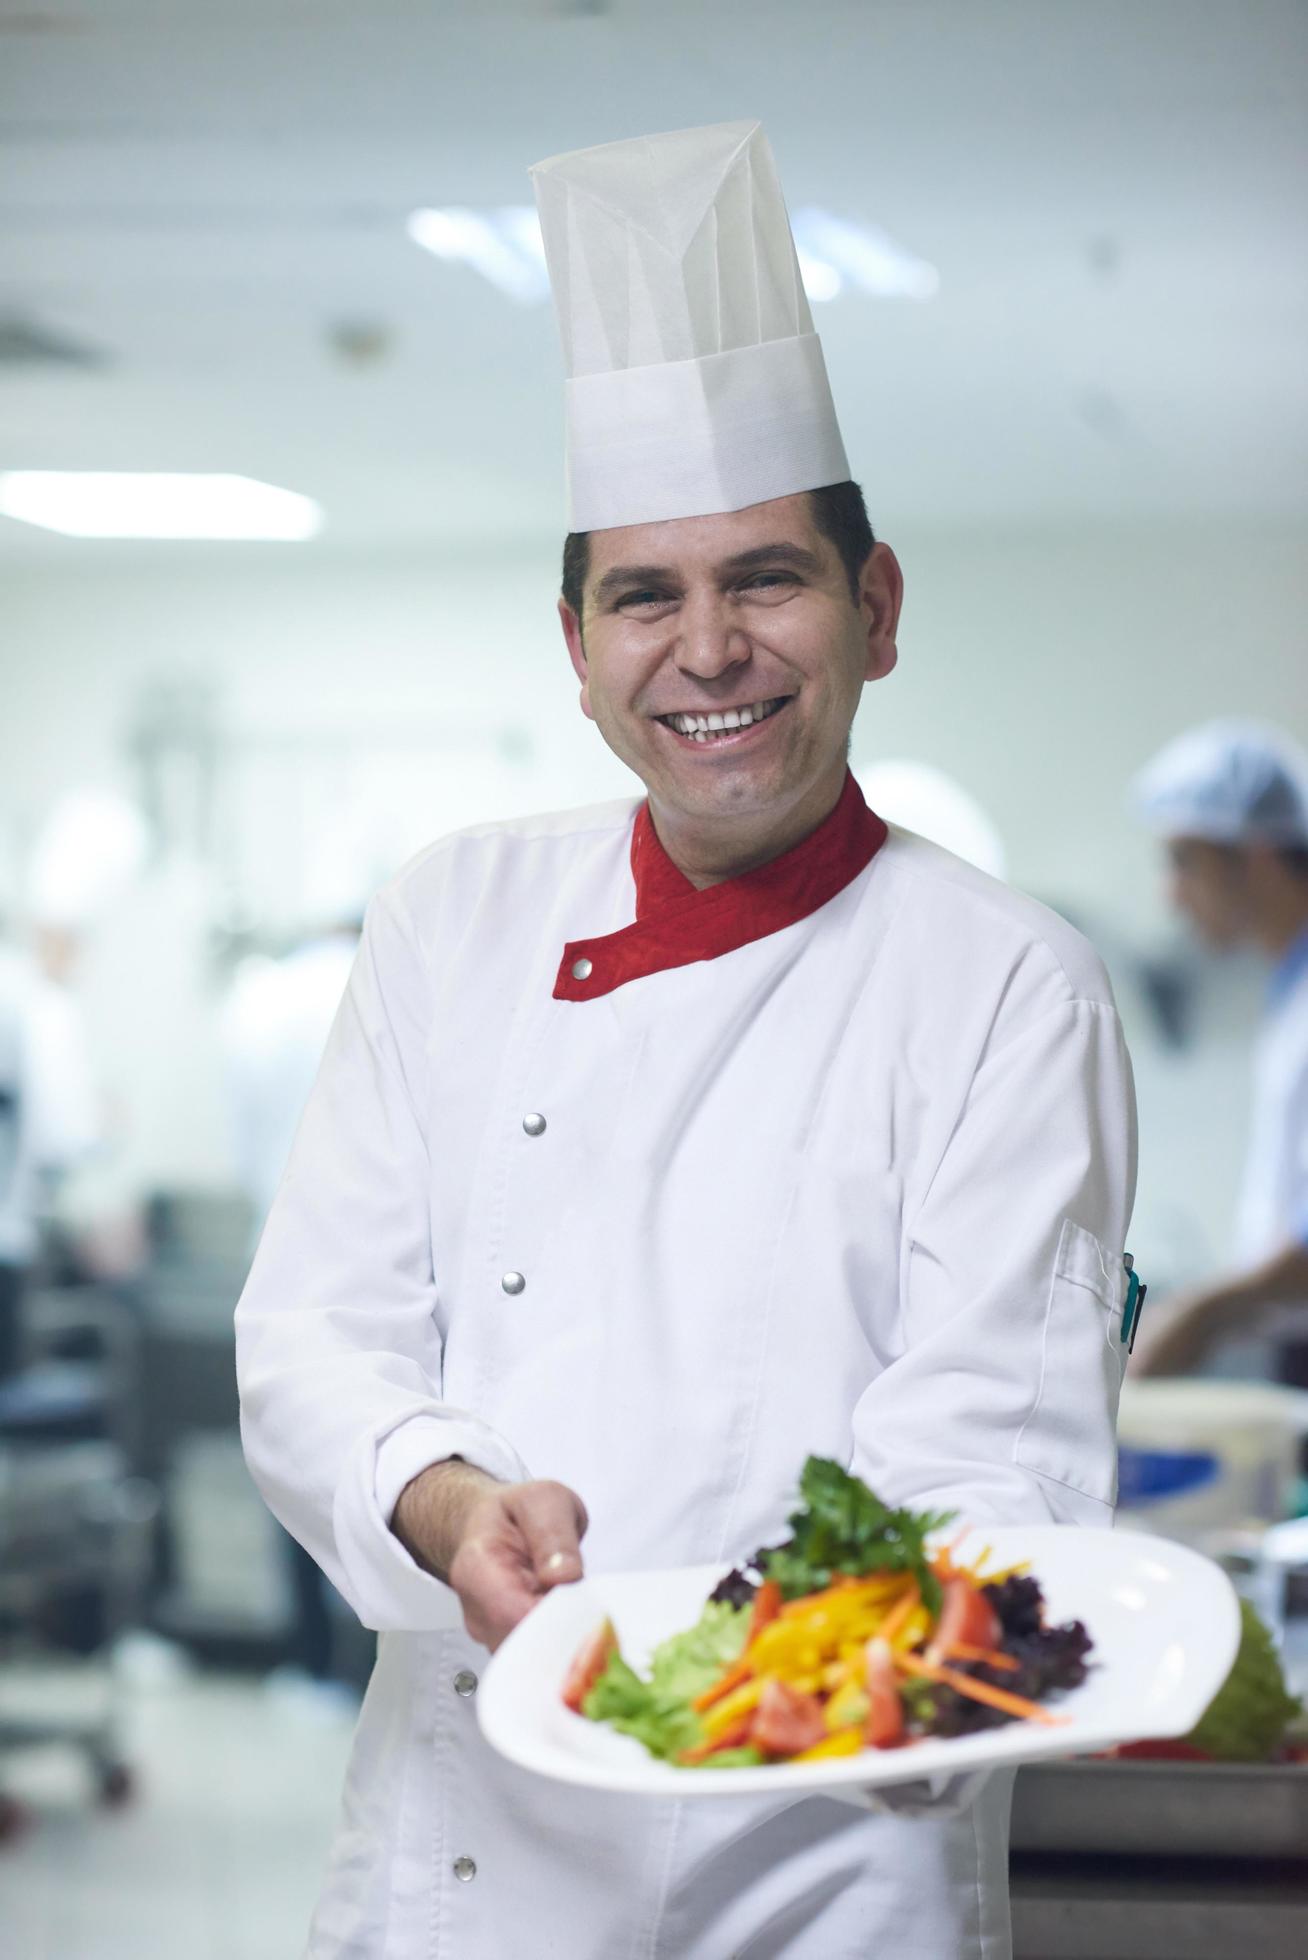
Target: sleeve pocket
<point>1070,1432</point>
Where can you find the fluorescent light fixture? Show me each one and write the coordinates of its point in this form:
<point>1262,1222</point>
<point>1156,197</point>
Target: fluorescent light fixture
<point>152,504</point>
<point>504,246</point>
<point>862,256</point>
<point>821,281</point>
<point>835,255</point>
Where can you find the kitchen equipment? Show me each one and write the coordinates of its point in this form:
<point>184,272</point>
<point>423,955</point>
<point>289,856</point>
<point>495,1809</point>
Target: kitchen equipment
<point>1197,1456</point>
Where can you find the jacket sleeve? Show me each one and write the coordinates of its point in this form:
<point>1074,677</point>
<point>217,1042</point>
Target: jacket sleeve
<point>338,1348</point>
<point>1001,1401</point>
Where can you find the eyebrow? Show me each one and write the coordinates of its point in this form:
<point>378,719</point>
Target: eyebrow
<point>794,555</point>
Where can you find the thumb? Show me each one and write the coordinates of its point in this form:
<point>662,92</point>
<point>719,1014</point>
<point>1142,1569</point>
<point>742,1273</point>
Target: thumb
<point>551,1519</point>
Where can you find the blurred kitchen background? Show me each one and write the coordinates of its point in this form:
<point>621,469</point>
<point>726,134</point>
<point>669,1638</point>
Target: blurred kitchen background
<point>1057,261</point>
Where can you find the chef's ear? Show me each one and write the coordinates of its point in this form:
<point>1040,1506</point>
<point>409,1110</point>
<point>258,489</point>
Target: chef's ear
<point>571,623</point>
<point>880,596</point>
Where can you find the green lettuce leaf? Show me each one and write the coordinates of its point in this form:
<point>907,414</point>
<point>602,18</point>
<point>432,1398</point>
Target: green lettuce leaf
<point>658,1711</point>
<point>685,1664</point>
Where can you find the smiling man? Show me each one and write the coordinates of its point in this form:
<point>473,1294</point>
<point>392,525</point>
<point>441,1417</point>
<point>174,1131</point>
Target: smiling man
<point>660,1145</point>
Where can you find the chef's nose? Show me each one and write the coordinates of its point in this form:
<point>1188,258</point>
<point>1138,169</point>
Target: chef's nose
<point>709,642</point>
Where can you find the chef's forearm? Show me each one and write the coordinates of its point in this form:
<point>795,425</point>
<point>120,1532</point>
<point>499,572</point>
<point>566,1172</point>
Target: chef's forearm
<point>1224,1308</point>
<point>1187,1330</point>
<point>432,1511</point>
<point>1280,1281</point>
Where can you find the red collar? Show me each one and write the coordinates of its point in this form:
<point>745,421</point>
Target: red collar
<point>675,924</point>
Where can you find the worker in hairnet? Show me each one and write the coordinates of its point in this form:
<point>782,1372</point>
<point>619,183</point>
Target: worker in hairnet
<point>660,1144</point>
<point>1230,802</point>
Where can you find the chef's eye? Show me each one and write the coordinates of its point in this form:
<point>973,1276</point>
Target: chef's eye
<point>649,598</point>
<point>762,580</point>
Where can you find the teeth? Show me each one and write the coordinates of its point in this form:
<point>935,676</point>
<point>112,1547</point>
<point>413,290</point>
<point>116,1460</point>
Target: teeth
<point>702,727</point>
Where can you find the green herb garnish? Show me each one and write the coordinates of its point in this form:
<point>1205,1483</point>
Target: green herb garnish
<point>844,1527</point>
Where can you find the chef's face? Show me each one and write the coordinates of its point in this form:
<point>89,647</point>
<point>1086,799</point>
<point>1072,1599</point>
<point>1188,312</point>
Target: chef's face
<point>1207,883</point>
<point>747,620</point>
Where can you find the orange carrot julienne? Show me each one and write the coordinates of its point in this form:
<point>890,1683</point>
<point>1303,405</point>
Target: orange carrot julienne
<point>736,1674</point>
<point>733,1738</point>
<point>900,1613</point>
<point>962,1650</point>
<point>965,1684</point>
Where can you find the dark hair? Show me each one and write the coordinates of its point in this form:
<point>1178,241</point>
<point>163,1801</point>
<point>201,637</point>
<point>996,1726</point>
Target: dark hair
<point>839,513</point>
<point>1295,859</point>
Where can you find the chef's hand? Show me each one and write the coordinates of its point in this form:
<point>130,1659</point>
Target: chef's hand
<point>499,1546</point>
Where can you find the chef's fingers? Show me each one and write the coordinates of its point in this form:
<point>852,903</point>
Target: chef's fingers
<point>552,1520</point>
<point>494,1590</point>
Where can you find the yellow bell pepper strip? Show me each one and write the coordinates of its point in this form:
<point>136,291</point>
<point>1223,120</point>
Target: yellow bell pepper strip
<point>847,1707</point>
<point>900,1613</point>
<point>844,1742</point>
<point>729,1711</point>
<point>767,1605</point>
<point>966,1684</point>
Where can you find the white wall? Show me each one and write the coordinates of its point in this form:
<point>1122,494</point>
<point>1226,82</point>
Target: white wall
<point>1040,670</point>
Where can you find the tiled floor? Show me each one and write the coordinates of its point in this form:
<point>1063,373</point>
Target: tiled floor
<point>217,1857</point>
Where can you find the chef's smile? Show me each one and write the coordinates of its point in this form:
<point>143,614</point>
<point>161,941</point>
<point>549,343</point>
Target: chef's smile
<point>716,728</point>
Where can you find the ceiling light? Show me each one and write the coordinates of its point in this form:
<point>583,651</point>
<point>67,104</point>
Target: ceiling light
<point>504,246</point>
<point>863,256</point>
<point>821,281</point>
<point>151,504</point>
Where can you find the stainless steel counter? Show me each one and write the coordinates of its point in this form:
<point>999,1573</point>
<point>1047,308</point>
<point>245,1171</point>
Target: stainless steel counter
<point>1160,1861</point>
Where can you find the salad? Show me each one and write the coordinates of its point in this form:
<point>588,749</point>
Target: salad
<point>850,1635</point>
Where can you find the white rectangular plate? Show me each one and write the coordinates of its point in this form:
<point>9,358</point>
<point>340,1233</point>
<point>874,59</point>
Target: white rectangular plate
<point>1165,1623</point>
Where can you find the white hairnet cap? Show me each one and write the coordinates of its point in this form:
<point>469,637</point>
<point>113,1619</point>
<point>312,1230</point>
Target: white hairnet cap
<point>695,380</point>
<point>1231,782</point>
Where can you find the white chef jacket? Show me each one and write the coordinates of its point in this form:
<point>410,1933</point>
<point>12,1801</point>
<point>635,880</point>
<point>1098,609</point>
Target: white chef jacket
<point>858,1187</point>
<point>1273,1208</point>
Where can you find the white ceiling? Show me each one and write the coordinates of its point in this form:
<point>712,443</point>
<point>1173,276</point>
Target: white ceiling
<point>206,191</point>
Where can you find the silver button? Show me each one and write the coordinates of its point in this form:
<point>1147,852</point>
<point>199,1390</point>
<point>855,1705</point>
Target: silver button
<point>534,1123</point>
<point>464,1869</point>
<point>581,969</point>
<point>465,1682</point>
<point>513,1282</point>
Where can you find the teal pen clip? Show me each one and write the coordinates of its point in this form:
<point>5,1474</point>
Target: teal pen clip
<point>1135,1299</point>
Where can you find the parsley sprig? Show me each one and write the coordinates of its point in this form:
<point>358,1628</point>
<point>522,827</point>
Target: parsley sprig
<point>842,1526</point>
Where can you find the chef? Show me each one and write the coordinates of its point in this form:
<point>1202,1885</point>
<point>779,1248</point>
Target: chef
<point>660,1144</point>
<point>1230,802</point>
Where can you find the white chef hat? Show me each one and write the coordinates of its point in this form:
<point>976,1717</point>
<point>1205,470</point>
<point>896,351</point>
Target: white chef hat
<point>1232,782</point>
<point>695,380</point>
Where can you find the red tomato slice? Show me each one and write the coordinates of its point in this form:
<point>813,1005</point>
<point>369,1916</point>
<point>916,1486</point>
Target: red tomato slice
<point>786,1720</point>
<point>966,1616</point>
<point>589,1662</point>
<point>884,1726</point>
